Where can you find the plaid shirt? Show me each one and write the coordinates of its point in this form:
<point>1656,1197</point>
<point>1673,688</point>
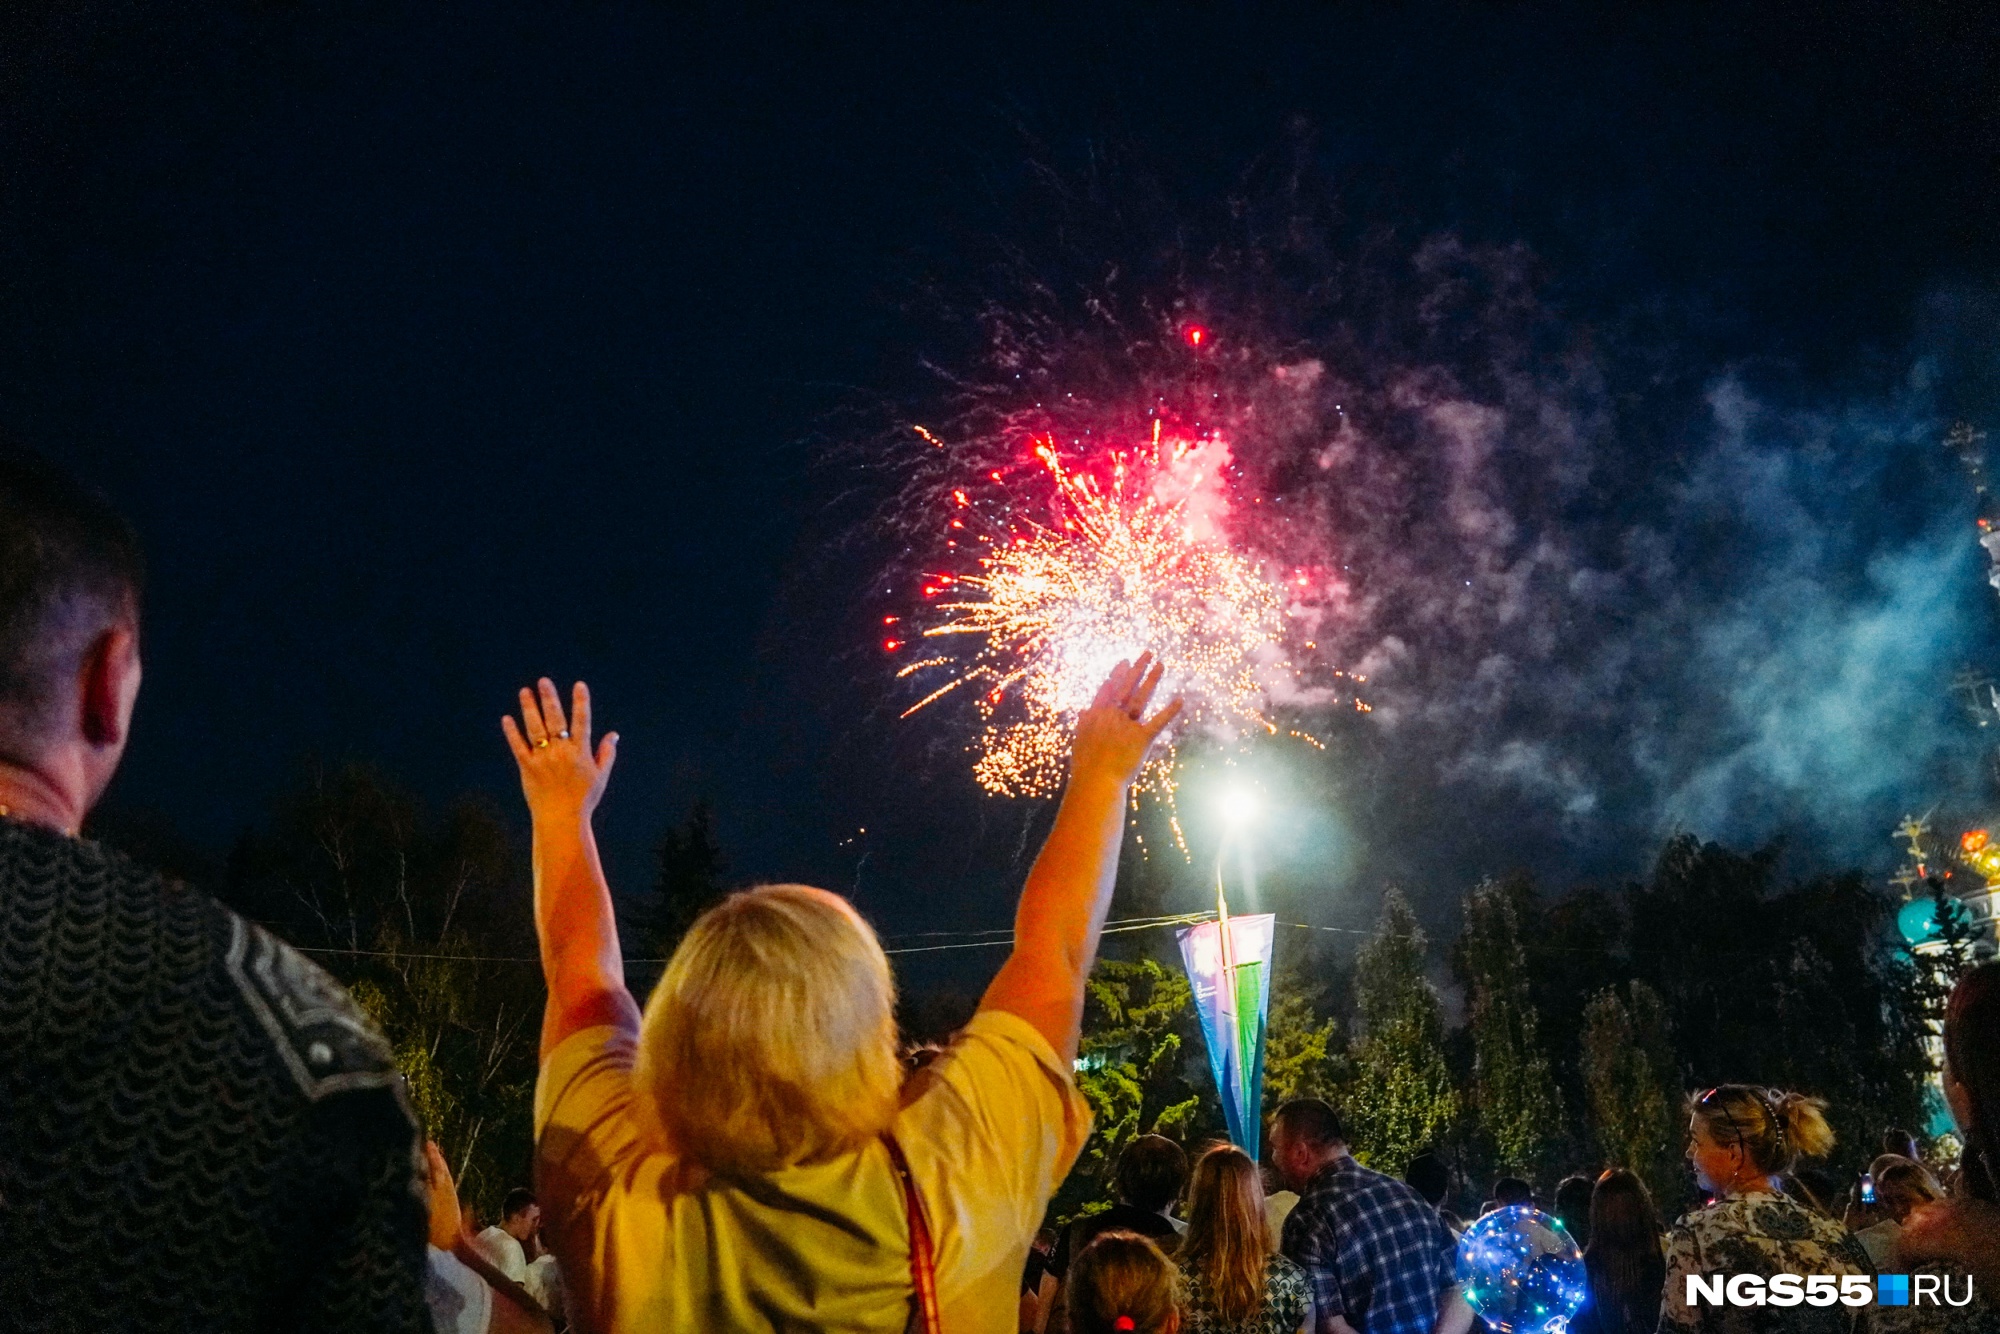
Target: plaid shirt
<point>1373,1250</point>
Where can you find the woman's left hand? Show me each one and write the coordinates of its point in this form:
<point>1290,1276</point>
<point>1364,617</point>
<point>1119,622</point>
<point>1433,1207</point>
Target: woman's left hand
<point>560,775</point>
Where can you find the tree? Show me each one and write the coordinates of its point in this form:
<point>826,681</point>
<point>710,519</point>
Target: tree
<point>1630,1078</point>
<point>1403,1100</point>
<point>1937,971</point>
<point>1304,1056</point>
<point>1520,1111</point>
<point>1792,987</point>
<point>1132,1065</point>
<point>428,920</point>
<point>687,882</point>
<point>1574,947</point>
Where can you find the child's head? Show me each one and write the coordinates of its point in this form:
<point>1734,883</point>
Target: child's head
<point>1122,1284</point>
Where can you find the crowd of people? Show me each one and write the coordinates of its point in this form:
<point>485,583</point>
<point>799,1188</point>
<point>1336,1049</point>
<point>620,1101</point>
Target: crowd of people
<point>199,1129</point>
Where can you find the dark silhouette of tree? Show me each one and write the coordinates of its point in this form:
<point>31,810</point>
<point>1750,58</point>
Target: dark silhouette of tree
<point>1634,1097</point>
<point>688,880</point>
<point>1513,1093</point>
<point>1575,949</point>
<point>1794,987</point>
<point>1305,1050</point>
<point>427,918</point>
<point>1404,1099</point>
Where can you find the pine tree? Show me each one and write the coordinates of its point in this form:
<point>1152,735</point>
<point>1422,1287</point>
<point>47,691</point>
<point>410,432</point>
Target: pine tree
<point>1403,1100</point>
<point>1956,936</point>
<point>1630,1076</point>
<point>688,881</point>
<point>1303,1056</point>
<point>1513,1089</point>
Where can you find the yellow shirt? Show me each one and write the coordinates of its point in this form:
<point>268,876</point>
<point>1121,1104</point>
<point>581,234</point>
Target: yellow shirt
<point>997,1126</point>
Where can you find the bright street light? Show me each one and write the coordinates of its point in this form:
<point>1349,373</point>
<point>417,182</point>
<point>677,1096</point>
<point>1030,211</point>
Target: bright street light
<point>1239,806</point>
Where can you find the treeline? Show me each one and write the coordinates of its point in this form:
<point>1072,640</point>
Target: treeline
<point>1578,1024</point>
<point>1575,1027</point>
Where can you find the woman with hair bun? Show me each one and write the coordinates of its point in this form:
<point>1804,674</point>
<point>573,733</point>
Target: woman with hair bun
<point>1741,1139</point>
<point>1123,1284</point>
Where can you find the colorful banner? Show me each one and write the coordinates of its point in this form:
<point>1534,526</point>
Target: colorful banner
<point>1232,994</point>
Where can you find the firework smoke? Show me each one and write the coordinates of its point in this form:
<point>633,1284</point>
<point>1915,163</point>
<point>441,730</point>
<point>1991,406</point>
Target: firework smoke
<point>1596,591</point>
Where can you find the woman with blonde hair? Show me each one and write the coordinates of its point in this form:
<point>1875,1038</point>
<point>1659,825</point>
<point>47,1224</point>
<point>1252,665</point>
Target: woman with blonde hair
<point>1741,1139</point>
<point>745,1156</point>
<point>1236,1284</point>
<point>1123,1283</point>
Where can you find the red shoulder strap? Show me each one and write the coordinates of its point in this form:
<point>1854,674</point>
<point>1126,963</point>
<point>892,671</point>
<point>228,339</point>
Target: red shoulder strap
<point>923,1258</point>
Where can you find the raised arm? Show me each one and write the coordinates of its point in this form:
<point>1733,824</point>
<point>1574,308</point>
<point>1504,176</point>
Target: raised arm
<point>563,780</point>
<point>1069,890</point>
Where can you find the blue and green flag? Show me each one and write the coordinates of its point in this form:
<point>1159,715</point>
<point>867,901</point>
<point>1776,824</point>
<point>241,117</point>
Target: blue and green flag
<point>1232,994</point>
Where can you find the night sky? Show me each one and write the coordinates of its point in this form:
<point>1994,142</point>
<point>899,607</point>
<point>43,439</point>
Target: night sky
<point>433,348</point>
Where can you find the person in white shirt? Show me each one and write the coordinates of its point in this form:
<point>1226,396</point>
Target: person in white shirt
<point>466,1293</point>
<point>505,1242</point>
<point>545,1285</point>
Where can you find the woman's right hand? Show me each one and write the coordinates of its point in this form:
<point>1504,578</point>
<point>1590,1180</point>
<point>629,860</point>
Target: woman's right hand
<point>562,778</point>
<point>1113,734</point>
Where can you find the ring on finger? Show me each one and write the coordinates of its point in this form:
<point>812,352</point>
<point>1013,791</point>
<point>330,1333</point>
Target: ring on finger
<point>564,734</point>
<point>542,744</point>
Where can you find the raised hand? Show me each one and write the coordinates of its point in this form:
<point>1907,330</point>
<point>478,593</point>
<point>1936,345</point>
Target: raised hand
<point>561,776</point>
<point>447,1223</point>
<point>1113,734</point>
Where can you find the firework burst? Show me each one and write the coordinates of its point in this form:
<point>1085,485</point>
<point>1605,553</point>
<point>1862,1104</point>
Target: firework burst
<point>1128,556</point>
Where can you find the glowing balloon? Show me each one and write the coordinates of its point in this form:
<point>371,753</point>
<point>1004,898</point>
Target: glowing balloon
<point>1521,1271</point>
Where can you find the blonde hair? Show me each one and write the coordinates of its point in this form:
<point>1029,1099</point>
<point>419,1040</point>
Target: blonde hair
<point>1122,1274</point>
<point>1226,1242</point>
<point>1774,1128</point>
<point>771,1038</point>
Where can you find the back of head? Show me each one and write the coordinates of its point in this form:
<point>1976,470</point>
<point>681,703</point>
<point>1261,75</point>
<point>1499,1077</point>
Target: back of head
<point>1122,1282</point>
<point>1622,1216</point>
<point>1429,1177</point>
<point>1226,1238</point>
<point>1150,1173</point>
<point>69,569</point>
<point>1624,1256</point>
<point>1572,1204</point>
<point>1774,1128</point>
<point>1508,1191</point>
<point>1901,1185</point>
<point>1310,1122</point>
<point>1972,1060</point>
<point>1900,1142</point>
<point>771,1038</point>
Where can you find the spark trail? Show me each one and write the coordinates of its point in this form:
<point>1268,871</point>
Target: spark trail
<point>1129,554</point>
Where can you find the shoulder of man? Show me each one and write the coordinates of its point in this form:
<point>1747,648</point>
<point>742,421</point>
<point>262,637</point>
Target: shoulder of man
<point>325,1041</point>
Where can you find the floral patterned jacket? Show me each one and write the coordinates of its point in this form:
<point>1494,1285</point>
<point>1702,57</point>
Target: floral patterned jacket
<point>1765,1233</point>
<point>1287,1302</point>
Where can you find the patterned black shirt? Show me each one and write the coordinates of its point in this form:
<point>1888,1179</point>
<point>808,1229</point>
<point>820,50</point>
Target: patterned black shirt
<point>199,1130</point>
